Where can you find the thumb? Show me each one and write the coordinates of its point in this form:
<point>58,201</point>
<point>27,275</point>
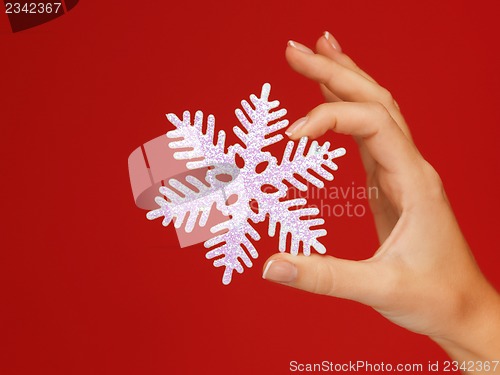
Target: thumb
<point>362,281</point>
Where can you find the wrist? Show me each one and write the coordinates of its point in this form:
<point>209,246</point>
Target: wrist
<point>476,332</point>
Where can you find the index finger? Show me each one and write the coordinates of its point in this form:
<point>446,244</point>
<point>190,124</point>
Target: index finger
<point>384,140</point>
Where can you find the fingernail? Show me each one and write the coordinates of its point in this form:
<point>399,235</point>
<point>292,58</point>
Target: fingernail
<point>280,271</point>
<point>296,126</point>
<point>333,42</point>
<point>300,47</point>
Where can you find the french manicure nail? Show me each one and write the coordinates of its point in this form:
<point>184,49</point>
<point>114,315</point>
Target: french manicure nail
<point>296,126</point>
<point>300,47</point>
<point>333,42</point>
<point>280,271</point>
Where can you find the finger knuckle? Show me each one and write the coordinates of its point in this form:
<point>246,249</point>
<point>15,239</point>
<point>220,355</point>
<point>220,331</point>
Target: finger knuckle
<point>385,95</point>
<point>325,280</point>
<point>379,111</point>
<point>434,184</point>
<point>329,77</point>
<point>323,107</point>
<point>395,103</point>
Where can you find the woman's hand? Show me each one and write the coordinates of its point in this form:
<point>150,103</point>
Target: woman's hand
<point>423,276</point>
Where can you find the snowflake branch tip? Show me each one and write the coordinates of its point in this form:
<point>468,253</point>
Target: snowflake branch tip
<point>266,90</point>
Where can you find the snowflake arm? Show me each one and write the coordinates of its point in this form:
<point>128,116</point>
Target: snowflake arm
<point>316,158</point>
<point>295,223</point>
<point>189,205</point>
<point>255,131</point>
<point>194,143</point>
<point>235,245</point>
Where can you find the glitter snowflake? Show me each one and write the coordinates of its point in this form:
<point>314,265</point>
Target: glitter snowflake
<point>247,198</point>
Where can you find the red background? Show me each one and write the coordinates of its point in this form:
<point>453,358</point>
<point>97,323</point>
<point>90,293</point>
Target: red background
<point>89,286</point>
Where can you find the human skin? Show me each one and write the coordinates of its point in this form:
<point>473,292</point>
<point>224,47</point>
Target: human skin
<point>423,277</point>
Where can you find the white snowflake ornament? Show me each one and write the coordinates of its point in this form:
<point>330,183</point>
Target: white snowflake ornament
<point>245,199</point>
